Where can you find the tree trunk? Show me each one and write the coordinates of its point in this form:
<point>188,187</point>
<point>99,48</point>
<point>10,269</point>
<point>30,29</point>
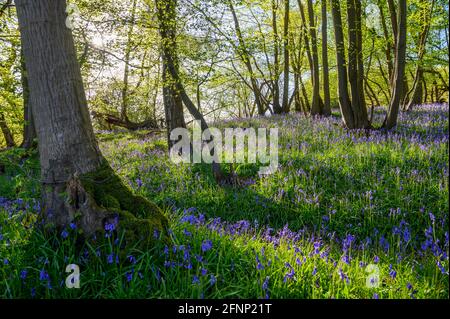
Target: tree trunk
<point>344,99</point>
<point>414,96</point>
<point>387,39</point>
<point>172,69</point>
<point>326,77</point>
<point>276,64</point>
<point>245,56</point>
<point>315,104</point>
<point>173,104</point>
<point>362,107</point>
<point>9,138</point>
<point>285,105</point>
<point>77,182</point>
<point>126,73</point>
<point>355,67</point>
<point>399,68</point>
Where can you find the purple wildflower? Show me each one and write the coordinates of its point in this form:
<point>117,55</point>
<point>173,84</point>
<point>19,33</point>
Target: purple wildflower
<point>206,245</point>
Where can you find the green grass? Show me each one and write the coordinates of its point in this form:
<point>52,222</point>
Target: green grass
<point>379,188</point>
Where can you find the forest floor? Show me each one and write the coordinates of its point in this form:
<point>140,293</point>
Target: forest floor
<point>347,215</point>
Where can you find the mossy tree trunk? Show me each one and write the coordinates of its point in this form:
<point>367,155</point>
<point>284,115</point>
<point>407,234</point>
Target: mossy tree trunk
<point>77,183</point>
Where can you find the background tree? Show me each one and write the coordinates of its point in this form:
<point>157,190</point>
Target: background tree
<point>399,68</point>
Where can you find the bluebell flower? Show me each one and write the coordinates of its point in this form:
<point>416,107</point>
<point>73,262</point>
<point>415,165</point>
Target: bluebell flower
<point>23,274</point>
<point>129,276</point>
<point>376,259</point>
<point>43,275</point>
<point>265,284</point>
<point>206,245</point>
<point>64,234</point>
<point>195,280</point>
<point>392,272</point>
<point>110,259</point>
<point>212,280</point>
<point>375,296</point>
<point>132,259</point>
<point>314,272</point>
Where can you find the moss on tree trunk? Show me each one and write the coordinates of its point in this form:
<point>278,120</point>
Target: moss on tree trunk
<point>100,198</point>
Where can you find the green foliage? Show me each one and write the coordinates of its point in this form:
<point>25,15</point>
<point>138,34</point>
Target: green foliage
<point>329,180</point>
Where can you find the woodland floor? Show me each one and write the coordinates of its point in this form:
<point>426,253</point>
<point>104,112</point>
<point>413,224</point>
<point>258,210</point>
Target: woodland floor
<point>341,207</point>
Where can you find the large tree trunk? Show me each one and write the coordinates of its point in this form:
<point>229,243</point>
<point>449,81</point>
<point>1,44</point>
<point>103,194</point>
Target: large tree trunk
<point>344,99</point>
<point>399,68</point>
<point>325,72</point>
<point>77,183</point>
<point>29,131</point>
<point>286,58</point>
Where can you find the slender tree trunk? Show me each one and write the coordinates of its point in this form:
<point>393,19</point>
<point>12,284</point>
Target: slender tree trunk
<point>77,181</point>
<point>399,68</point>
<point>414,96</point>
<point>344,99</point>
<point>9,138</point>
<point>326,77</point>
<point>285,106</point>
<point>245,56</point>
<point>387,39</point>
<point>305,35</point>
<point>276,64</point>
<point>126,73</point>
<point>171,66</point>
<point>315,105</point>
<point>173,104</point>
<point>360,63</point>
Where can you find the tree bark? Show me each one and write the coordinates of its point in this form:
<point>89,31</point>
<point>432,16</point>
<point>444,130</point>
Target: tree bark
<point>126,73</point>
<point>355,67</point>
<point>344,99</point>
<point>172,69</point>
<point>285,105</point>
<point>315,104</point>
<point>245,56</point>
<point>388,40</point>
<point>9,138</point>
<point>173,104</point>
<point>77,182</point>
<point>326,77</point>
<point>276,63</point>
<point>414,96</point>
<point>399,68</point>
